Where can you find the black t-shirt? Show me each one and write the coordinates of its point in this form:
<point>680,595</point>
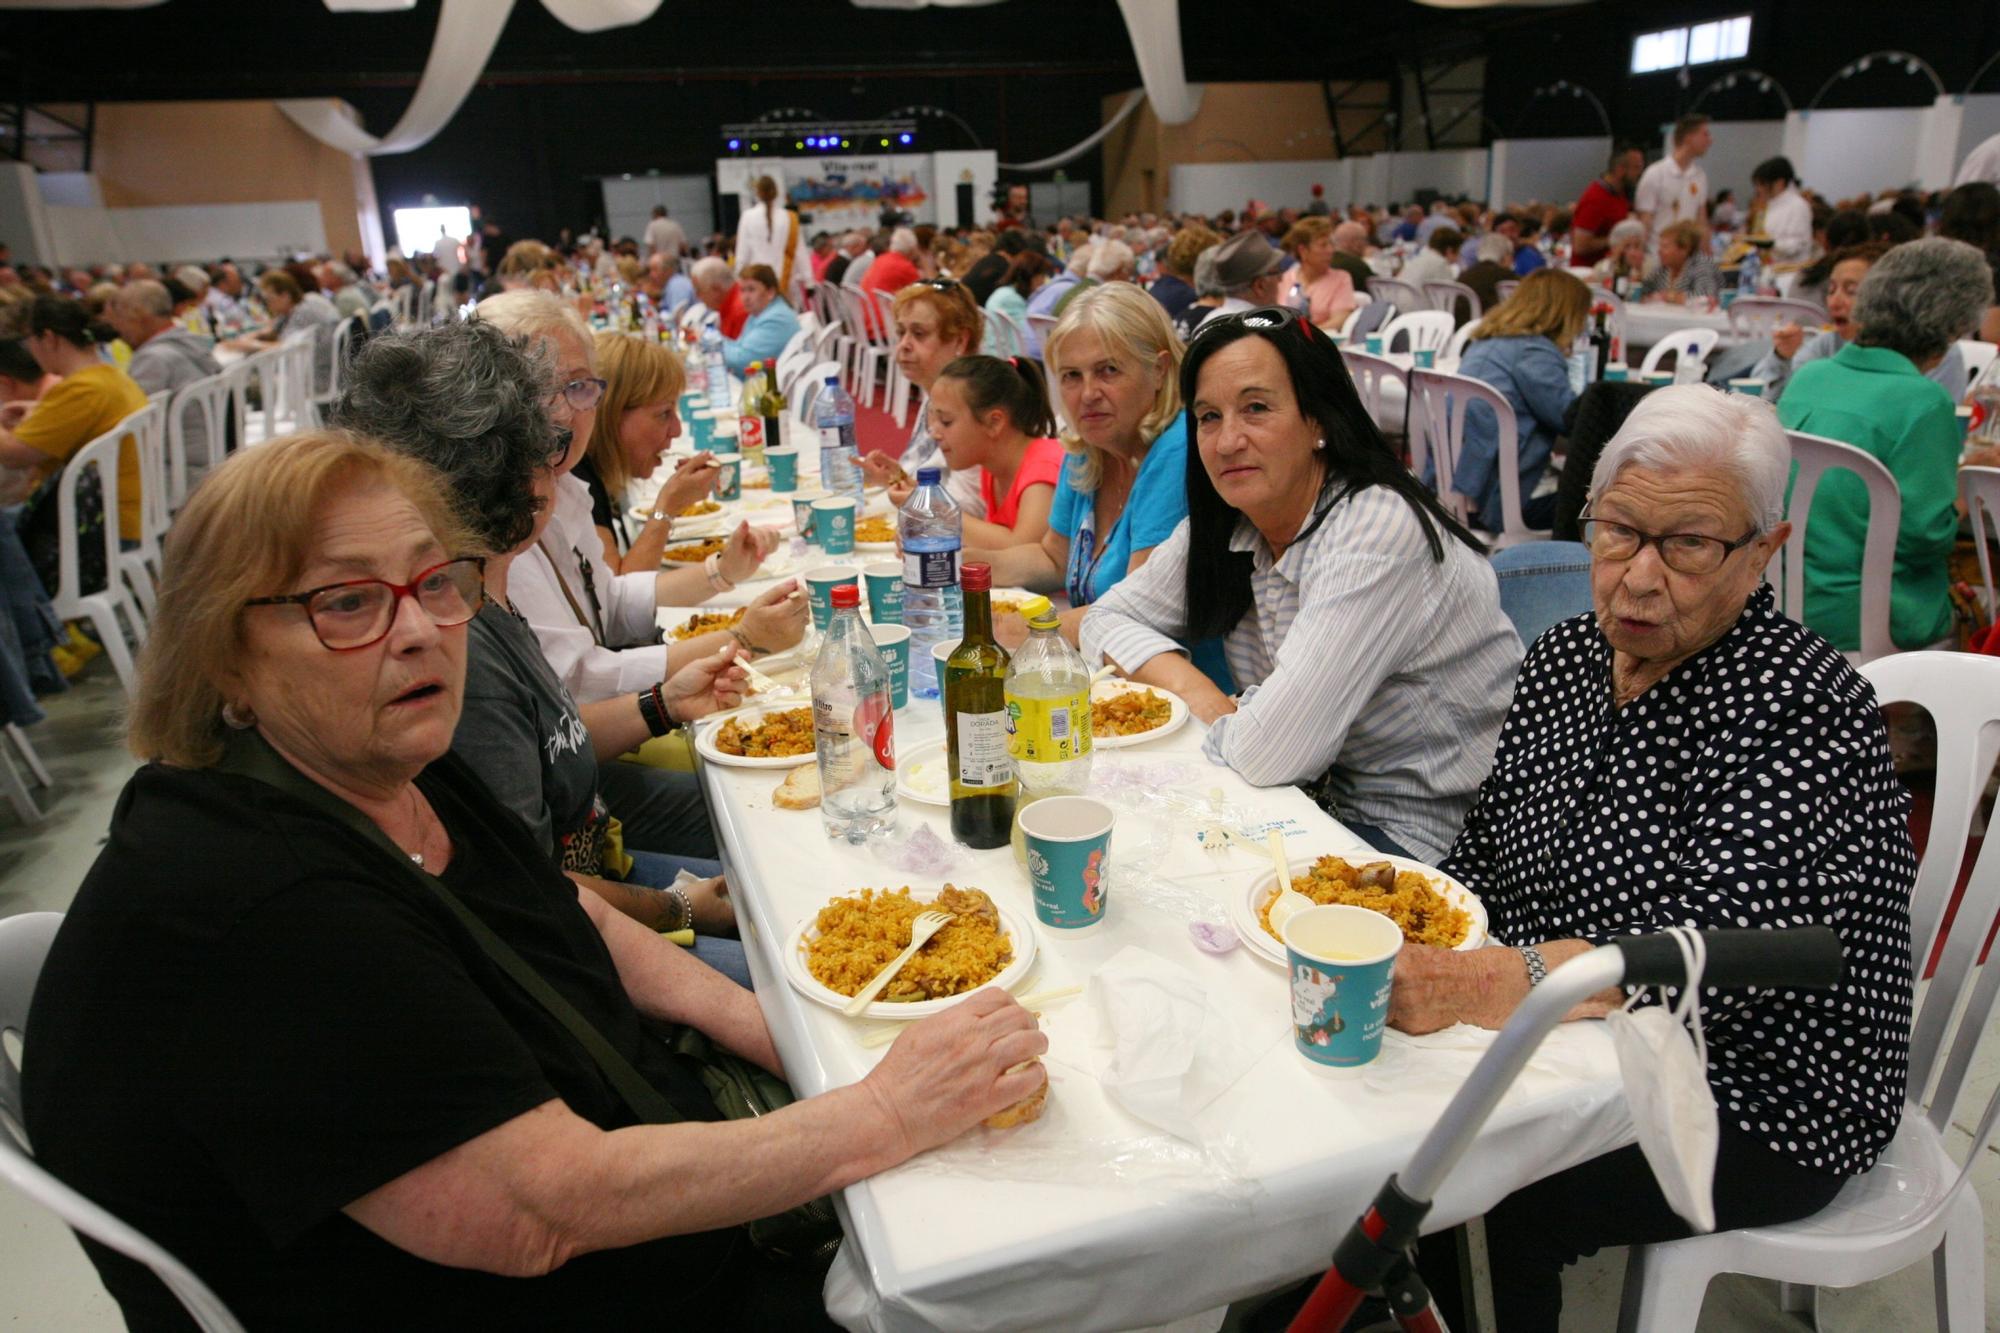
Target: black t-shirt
<point>250,1019</point>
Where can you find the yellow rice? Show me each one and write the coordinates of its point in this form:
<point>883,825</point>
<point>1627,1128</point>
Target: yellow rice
<point>858,935</point>
<point>1425,914</point>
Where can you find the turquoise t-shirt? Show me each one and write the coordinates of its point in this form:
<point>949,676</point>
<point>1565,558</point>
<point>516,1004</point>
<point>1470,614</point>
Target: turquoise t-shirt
<point>1155,508</point>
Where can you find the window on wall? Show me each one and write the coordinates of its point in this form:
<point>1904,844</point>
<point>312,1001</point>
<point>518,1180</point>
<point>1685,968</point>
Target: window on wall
<point>1700,44</point>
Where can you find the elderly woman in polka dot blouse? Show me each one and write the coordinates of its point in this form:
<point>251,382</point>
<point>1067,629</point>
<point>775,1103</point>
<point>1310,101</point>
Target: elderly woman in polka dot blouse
<point>1685,755</point>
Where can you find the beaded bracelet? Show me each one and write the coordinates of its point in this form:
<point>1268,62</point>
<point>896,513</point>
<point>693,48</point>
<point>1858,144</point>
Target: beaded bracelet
<point>682,908</point>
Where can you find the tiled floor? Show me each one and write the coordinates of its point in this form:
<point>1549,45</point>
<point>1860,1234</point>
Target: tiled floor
<point>46,1283</point>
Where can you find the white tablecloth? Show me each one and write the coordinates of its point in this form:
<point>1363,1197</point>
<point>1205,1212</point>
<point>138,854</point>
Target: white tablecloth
<point>978,1240</point>
<point>1645,325</point>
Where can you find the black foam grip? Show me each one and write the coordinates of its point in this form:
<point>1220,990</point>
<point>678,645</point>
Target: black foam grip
<point>1798,958</point>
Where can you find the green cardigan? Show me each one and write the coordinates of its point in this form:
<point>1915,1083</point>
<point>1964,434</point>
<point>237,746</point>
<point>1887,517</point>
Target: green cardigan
<point>1879,402</point>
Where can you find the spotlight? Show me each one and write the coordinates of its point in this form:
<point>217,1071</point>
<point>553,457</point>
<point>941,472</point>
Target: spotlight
<point>904,138</point>
<point>735,144</point>
<point>885,143</point>
<point>798,144</point>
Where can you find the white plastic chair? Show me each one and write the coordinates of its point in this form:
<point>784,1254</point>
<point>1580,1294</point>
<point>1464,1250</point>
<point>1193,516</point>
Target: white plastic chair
<point>103,607</point>
<point>1682,344</point>
<point>1980,489</point>
<point>322,396</point>
<point>1977,356</point>
<point>148,430</point>
<point>896,392</point>
<point>1439,404</point>
<point>1812,456</point>
<point>202,411</point>
<point>1010,338</point>
<point>1915,1200</point>
<point>1455,349</point>
<point>1369,373</point>
<point>1447,296</point>
<point>1756,316</point>
<point>24,946</point>
<point>1404,296</point>
<point>1042,326</point>
<point>1421,329</point>
<point>811,384</point>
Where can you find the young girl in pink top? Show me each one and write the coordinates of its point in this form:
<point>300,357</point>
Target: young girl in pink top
<point>992,413</point>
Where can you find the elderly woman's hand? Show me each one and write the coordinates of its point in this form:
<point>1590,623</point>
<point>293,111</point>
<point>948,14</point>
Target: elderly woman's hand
<point>1424,996</point>
<point>1786,339</point>
<point>777,619</point>
<point>948,1072</point>
<point>693,479</point>
<point>705,685</point>
<point>747,548</point>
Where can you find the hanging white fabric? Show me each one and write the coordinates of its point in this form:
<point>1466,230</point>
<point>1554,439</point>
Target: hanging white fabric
<point>598,15</point>
<point>1155,29</point>
<point>1665,1071</point>
<point>1076,150</point>
<point>466,34</point>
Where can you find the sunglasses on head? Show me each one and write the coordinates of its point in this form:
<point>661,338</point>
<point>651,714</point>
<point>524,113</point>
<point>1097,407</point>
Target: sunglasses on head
<point>1264,317</point>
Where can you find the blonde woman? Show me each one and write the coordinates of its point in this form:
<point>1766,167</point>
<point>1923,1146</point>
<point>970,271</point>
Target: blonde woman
<point>1116,362</point>
<point>1522,350</point>
<point>769,233</point>
<point>638,419</point>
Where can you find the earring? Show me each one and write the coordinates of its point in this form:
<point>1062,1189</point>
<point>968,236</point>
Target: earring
<point>1320,443</point>
<point>240,718</point>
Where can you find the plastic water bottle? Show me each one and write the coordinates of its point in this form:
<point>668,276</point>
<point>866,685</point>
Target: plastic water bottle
<point>853,726</point>
<point>717,369</point>
<point>1687,364</point>
<point>932,531</point>
<point>1048,715</point>
<point>839,456</point>
<point>1748,273</point>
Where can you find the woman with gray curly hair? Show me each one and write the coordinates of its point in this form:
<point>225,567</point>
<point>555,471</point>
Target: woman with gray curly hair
<point>469,401</point>
<point>1916,302</point>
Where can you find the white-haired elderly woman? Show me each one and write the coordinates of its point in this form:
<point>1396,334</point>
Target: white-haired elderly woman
<point>1625,264</point>
<point>715,286</point>
<point>1874,393</point>
<point>1684,755</point>
<point>895,268</point>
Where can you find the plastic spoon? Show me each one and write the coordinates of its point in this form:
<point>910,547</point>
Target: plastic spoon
<point>1289,900</point>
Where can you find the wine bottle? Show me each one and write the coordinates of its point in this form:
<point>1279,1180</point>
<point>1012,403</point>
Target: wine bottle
<point>983,786</point>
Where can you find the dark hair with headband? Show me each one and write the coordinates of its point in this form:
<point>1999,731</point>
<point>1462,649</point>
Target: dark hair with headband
<point>1012,384</point>
<point>1356,455</point>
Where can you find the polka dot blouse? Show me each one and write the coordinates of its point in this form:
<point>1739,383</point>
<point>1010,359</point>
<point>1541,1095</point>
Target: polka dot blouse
<point>1750,787</point>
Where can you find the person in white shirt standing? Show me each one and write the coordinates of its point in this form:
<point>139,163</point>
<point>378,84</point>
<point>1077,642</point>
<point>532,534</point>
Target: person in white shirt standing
<point>1787,215</point>
<point>448,251</point>
<point>770,234</point>
<point>664,235</point>
<point>1675,188</point>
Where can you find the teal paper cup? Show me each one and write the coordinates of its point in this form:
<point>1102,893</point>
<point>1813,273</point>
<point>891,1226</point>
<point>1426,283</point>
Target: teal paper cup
<point>833,524</point>
<point>1617,372</point>
<point>885,591</point>
<point>724,435</point>
<point>1373,343</point>
<point>894,643</point>
<point>802,513</point>
<point>702,422</point>
<point>783,465</point>
<point>1069,859</point>
<point>728,475</point>
<point>1751,387</point>
<point>940,654</point>
<point>820,584</point>
<point>1340,960</point>
<point>1427,358</point>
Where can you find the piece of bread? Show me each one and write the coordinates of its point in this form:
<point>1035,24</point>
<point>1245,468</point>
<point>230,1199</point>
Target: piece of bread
<point>1024,1112</point>
<point>799,790</point>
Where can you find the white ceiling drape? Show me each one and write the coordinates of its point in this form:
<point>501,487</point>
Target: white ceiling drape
<point>466,33</point>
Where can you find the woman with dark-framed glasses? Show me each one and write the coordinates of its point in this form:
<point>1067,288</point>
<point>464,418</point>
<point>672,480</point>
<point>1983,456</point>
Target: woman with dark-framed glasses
<point>1359,620</point>
<point>1684,755</point>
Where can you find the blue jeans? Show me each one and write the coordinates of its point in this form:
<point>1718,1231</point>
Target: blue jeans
<point>1542,583</point>
<point>655,870</point>
<point>659,807</point>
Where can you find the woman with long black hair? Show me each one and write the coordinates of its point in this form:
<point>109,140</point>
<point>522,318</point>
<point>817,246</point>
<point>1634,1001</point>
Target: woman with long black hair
<point>1359,619</point>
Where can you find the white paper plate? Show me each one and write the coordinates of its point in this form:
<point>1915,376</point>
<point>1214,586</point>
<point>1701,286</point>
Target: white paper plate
<point>923,774</point>
<point>1110,689</point>
<point>750,715</point>
<point>875,548</point>
<point>1261,943</point>
<point>803,982</point>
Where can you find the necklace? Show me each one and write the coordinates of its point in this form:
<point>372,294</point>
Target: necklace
<point>416,818</point>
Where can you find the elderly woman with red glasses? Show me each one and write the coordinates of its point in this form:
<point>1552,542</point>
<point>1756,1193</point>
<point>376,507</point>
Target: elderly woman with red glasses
<point>326,1022</point>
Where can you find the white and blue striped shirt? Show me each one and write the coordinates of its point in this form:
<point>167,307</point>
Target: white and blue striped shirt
<point>1363,662</point>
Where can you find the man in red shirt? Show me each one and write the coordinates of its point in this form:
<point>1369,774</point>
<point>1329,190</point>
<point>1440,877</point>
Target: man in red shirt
<point>715,287</point>
<point>1604,204</point>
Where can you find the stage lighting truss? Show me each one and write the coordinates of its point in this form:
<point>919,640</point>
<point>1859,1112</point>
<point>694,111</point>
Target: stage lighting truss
<point>823,137</point>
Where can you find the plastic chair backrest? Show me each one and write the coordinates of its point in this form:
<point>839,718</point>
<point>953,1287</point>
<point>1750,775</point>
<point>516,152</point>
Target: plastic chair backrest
<point>1756,316</point>
<point>1403,295</point>
<point>1423,329</point>
<point>1961,691</point>
<point>100,454</point>
<point>1042,326</point>
<point>811,384</point>
<point>1455,349</point>
<point>1446,296</point>
<point>1682,343</point>
<point>1010,329</point>
<point>148,428</point>
<point>24,946</point>
<point>1367,319</point>
<point>1812,457</point>
<point>1439,406</point>
<point>1980,488</point>
<point>1977,356</point>
<point>1369,373</point>
<point>208,403</point>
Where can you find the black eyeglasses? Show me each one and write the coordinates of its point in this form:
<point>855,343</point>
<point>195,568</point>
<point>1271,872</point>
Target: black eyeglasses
<point>1683,552</point>
<point>360,612</point>
<point>582,395</point>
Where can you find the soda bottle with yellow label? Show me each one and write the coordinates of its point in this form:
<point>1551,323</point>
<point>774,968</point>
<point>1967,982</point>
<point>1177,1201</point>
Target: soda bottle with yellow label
<point>1048,714</point>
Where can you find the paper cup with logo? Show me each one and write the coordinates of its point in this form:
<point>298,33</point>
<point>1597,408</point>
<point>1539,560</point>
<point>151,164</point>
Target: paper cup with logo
<point>940,653</point>
<point>1617,372</point>
<point>885,591</point>
<point>1750,386</point>
<point>725,437</point>
<point>782,462</point>
<point>1339,961</point>
<point>802,513</point>
<point>702,422</point>
<point>1373,344</point>
<point>894,643</point>
<point>1427,358</point>
<point>820,584</point>
<point>1069,859</point>
<point>833,524</point>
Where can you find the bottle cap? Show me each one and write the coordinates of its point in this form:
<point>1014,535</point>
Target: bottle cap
<point>845,595</point>
<point>833,381</point>
<point>929,476</point>
<point>975,577</point>
<point>1040,613</point>
<point>754,367</point>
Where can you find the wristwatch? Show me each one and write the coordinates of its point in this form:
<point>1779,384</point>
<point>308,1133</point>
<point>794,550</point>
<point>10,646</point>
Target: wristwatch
<point>1538,970</point>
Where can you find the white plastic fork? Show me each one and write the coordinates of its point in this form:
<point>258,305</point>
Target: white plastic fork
<point>922,928</point>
